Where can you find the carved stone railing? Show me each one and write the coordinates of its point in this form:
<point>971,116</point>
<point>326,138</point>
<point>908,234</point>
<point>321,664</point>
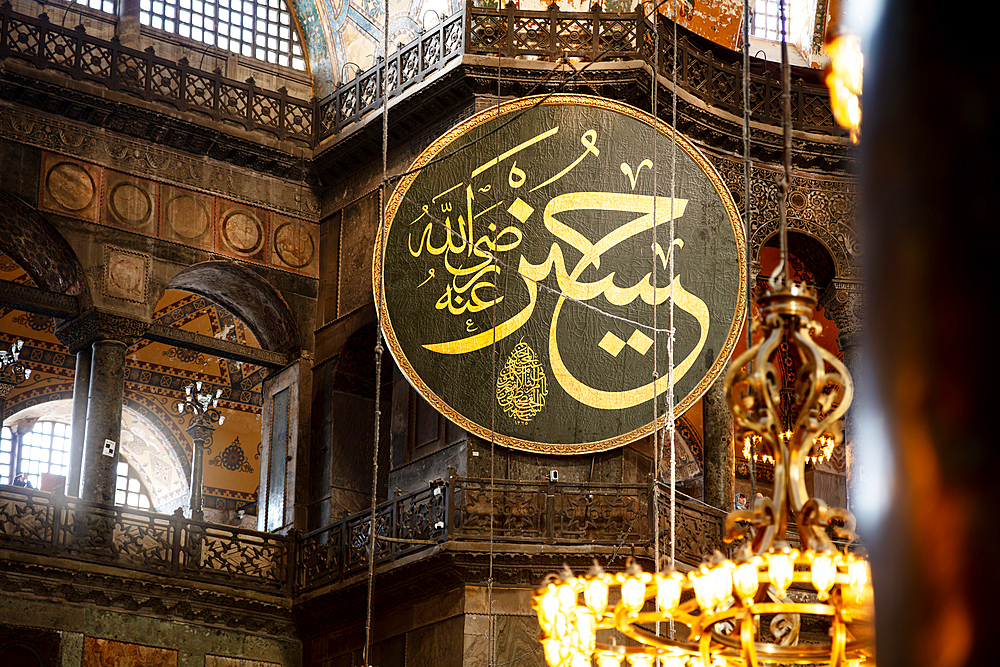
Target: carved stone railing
<point>508,32</point>
<point>459,510</point>
<point>73,52</point>
<point>171,545</point>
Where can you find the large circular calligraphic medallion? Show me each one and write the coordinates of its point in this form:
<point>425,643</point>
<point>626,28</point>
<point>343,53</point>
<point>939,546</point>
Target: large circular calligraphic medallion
<point>524,274</point>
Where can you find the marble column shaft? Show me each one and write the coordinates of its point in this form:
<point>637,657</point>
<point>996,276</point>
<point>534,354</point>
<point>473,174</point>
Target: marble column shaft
<point>127,29</point>
<point>78,427</point>
<point>104,420</point>
<point>201,437</point>
<point>720,456</point>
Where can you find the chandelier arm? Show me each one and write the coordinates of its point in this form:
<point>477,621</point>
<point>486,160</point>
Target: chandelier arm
<point>838,642</point>
<point>747,633</point>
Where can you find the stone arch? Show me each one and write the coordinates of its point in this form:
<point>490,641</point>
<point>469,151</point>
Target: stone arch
<point>810,249</point>
<point>841,243</point>
<point>247,295</point>
<point>37,247</point>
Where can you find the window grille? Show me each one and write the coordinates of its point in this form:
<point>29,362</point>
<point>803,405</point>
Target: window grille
<point>767,20</point>
<point>129,489</point>
<point>45,448</point>
<point>261,29</point>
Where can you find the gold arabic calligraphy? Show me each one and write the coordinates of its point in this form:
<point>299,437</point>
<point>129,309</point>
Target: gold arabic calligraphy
<point>472,288</point>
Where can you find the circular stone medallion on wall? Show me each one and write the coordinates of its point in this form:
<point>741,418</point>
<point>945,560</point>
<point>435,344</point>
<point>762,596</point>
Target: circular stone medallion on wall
<point>187,216</point>
<point>70,186</point>
<point>130,204</point>
<point>294,244</point>
<point>243,232</point>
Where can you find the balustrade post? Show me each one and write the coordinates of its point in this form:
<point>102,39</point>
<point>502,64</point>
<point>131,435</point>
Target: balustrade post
<point>646,531</point>
<point>44,29</point>
<point>176,543</point>
<point>59,505</point>
<point>248,121</point>
<point>550,512</point>
<point>291,559</point>
<point>595,32</point>
<point>147,82</point>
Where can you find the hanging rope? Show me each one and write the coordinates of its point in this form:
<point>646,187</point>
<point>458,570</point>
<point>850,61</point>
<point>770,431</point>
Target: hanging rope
<point>671,427</point>
<point>746,221</point>
<point>781,273</point>
<point>378,342</point>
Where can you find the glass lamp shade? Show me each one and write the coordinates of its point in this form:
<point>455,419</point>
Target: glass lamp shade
<point>781,569</point>
<point>633,593</point>
<point>745,580</point>
<point>668,592</point>
<point>595,593</point>
<point>824,573</point>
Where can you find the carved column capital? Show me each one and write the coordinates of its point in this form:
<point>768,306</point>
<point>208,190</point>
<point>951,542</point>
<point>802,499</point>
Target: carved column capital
<point>844,302</point>
<point>93,325</point>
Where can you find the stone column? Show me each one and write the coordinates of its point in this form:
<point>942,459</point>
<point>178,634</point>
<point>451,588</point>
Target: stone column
<point>720,456</point>
<point>127,29</point>
<point>843,301</point>
<point>78,427</point>
<point>201,439</point>
<point>109,336</point>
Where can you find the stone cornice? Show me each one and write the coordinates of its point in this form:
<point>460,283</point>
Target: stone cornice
<point>93,325</point>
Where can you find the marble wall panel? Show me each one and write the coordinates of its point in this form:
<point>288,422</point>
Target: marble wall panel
<point>294,246</point>
<point>126,274</point>
<point>186,217</point>
<point>106,653</point>
<point>357,241</point>
<point>129,203</point>
<point>70,187</point>
<point>441,644</point>
<point>241,231</point>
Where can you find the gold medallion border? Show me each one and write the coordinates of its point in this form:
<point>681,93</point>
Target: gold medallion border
<point>430,153</point>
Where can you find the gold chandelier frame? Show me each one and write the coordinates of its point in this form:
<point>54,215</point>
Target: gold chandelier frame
<point>722,603</point>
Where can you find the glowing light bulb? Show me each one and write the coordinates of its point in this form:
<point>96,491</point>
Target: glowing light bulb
<point>608,659</point>
<point>704,589</point>
<point>781,569</point>
<point>722,581</point>
<point>555,652</point>
<point>746,581</point>
<point>673,661</point>
<point>668,592</point>
<point>824,572</point>
<point>548,607</point>
<point>566,593</point>
<point>634,593</point>
<point>586,626</point>
<point>640,660</point>
<point>579,660</point>
<point>595,593</point>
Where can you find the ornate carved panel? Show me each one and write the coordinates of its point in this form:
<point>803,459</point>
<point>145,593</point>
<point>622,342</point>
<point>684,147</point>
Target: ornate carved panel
<point>126,274</point>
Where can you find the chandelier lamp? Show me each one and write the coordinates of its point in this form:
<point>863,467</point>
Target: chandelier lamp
<point>822,448</point>
<point>746,610</point>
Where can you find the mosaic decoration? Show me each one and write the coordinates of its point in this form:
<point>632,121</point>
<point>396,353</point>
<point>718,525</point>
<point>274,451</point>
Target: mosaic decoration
<point>232,458</point>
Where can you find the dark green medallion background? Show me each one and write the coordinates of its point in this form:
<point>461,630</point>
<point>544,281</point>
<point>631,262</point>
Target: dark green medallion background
<point>435,295</point>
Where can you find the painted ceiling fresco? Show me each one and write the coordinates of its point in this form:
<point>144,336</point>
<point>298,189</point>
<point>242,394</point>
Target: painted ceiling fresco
<point>155,377</point>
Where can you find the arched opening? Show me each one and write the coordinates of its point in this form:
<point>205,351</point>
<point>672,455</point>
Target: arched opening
<point>246,295</point>
<point>44,255</point>
<point>35,441</point>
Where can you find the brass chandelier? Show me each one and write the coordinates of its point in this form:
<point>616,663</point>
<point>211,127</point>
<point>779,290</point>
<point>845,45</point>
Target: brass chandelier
<point>722,604</point>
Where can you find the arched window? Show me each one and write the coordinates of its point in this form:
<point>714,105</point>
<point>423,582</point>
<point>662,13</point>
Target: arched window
<point>43,449</point>
<point>130,490</point>
<point>766,20</point>
<point>261,29</point>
